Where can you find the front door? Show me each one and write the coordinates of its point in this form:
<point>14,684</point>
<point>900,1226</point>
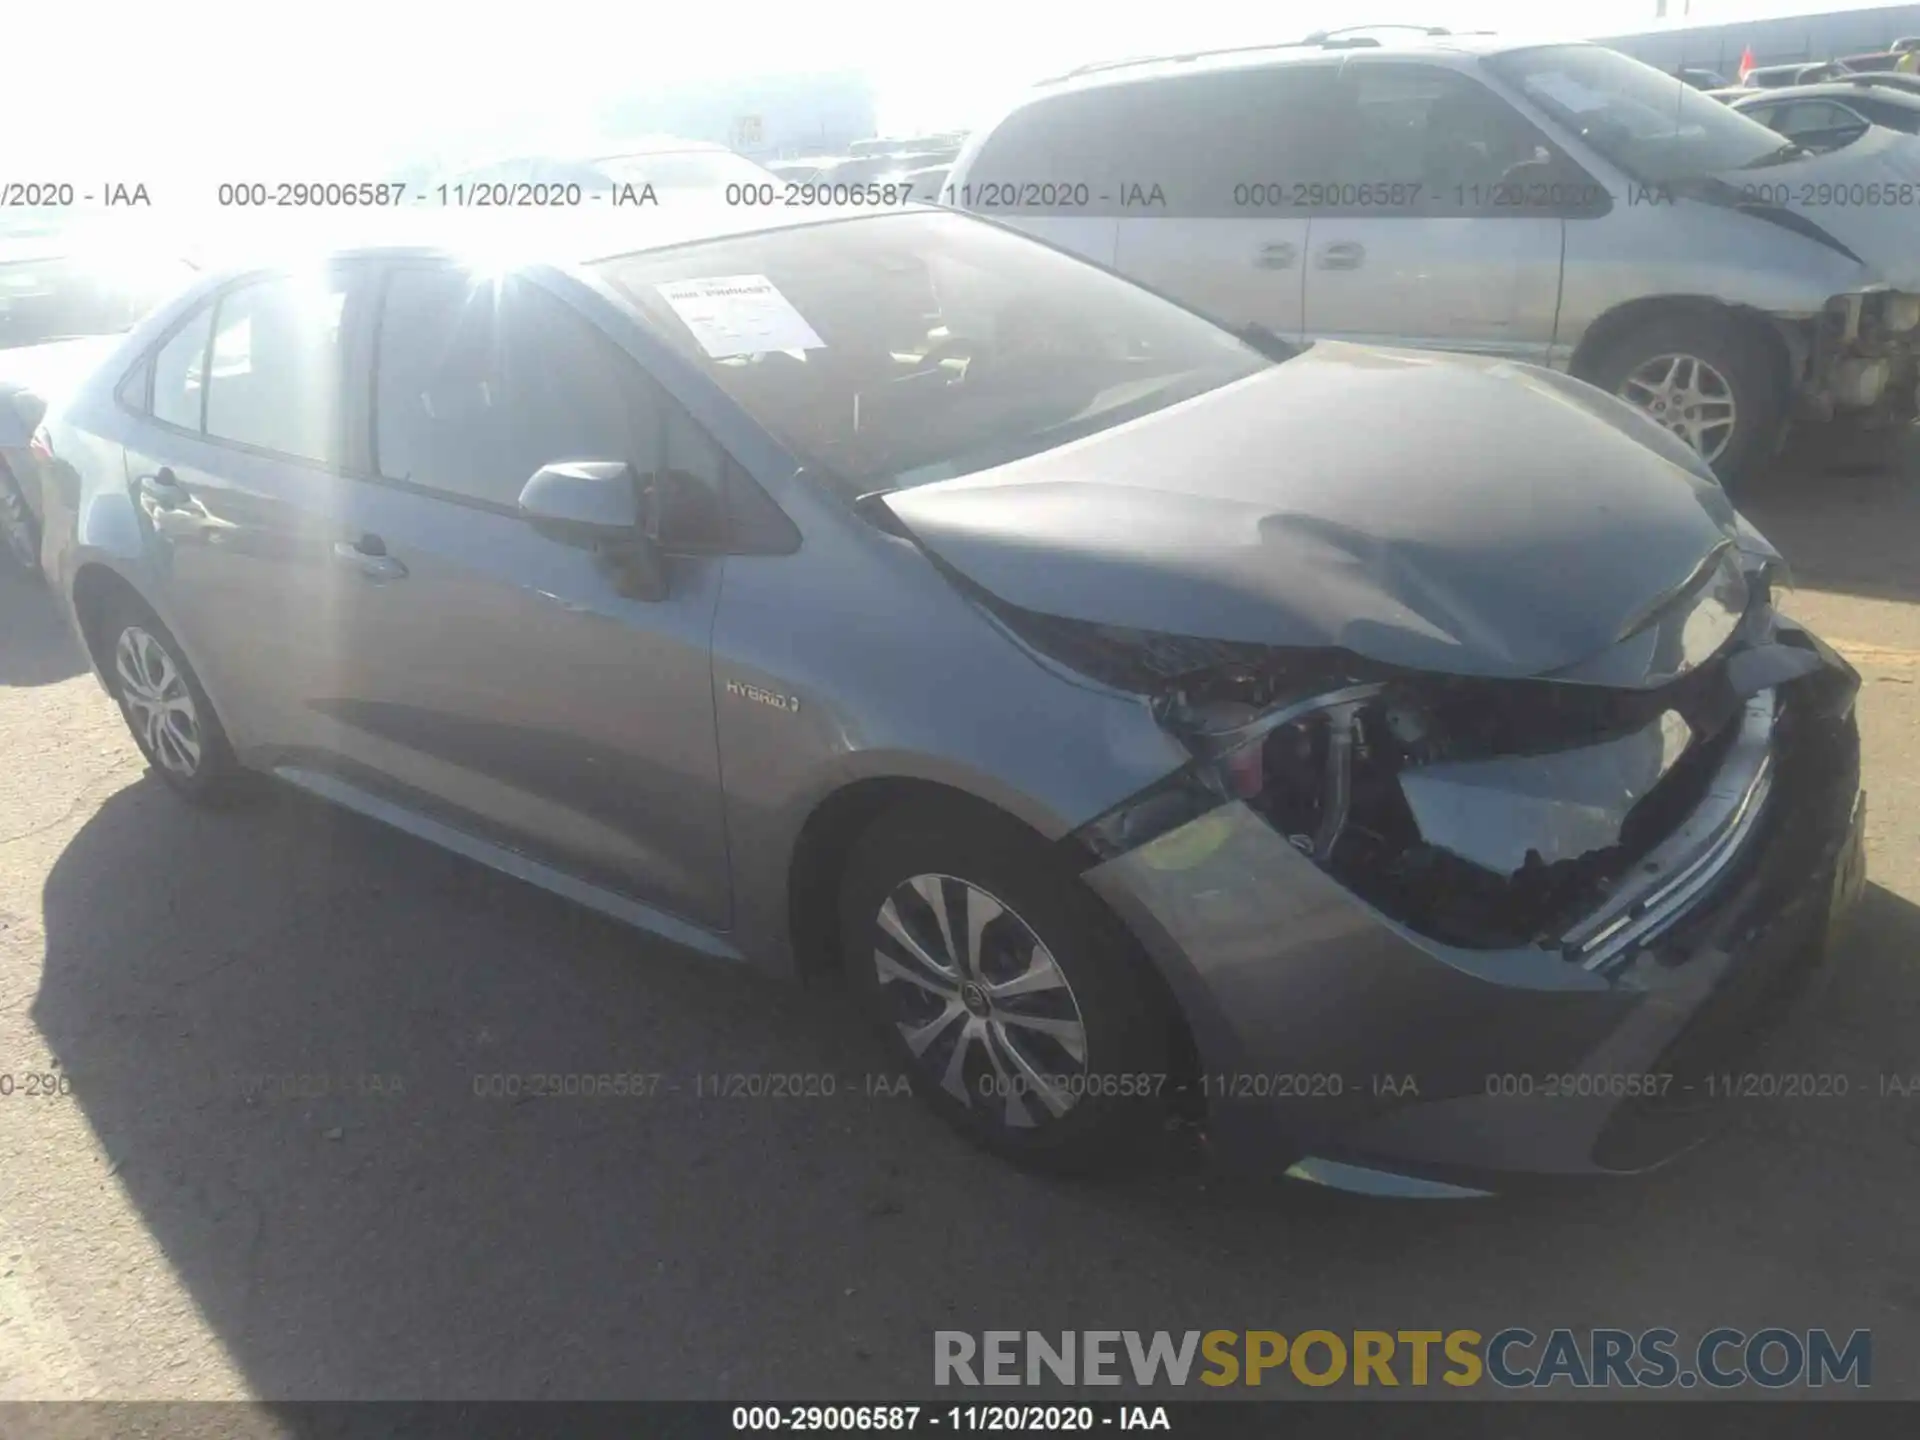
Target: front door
<point>1445,228</point>
<point>492,675</point>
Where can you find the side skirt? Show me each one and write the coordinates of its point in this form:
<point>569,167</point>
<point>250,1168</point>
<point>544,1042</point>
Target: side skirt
<point>509,862</point>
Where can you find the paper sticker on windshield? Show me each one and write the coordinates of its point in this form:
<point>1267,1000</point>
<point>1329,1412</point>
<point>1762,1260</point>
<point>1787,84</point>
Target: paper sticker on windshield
<point>739,315</point>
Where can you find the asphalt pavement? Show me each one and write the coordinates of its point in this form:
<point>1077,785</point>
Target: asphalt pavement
<point>261,1167</point>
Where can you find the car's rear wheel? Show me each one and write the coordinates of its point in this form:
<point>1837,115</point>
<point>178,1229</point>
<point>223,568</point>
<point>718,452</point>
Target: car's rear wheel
<point>19,529</point>
<point>1022,1011</point>
<point>172,720</point>
<point>1706,378</point>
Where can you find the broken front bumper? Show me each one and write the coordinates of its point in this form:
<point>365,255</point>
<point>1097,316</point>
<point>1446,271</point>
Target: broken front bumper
<point>1327,1030</point>
<point>1864,360</point>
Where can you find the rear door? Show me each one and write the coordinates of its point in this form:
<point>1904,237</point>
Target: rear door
<point>1232,152</point>
<point>1444,226</point>
<point>237,472</point>
<point>495,677</point>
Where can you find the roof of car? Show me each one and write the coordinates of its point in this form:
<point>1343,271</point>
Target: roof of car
<point>566,237</point>
<point>1832,90</point>
<point>1386,40</point>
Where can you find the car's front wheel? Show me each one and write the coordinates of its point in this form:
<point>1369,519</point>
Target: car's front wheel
<point>165,705</point>
<point>1021,1010</point>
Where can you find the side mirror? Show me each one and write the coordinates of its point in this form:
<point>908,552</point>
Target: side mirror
<point>596,505</point>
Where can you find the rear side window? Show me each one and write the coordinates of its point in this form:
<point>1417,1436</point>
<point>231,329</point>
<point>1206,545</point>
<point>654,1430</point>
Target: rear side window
<point>1210,146</point>
<point>179,373</point>
<point>274,371</point>
<point>1071,142</point>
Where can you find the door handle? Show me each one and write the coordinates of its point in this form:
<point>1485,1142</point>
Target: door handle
<point>1342,255</point>
<point>369,556</point>
<point>1277,255</point>
<point>164,489</point>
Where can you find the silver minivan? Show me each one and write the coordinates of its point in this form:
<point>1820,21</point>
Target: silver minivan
<point>1563,205</point>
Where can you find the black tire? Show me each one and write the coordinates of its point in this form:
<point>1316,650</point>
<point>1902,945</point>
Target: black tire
<point>215,777</point>
<point>1115,1095</point>
<point>19,526</point>
<point>1743,357</point>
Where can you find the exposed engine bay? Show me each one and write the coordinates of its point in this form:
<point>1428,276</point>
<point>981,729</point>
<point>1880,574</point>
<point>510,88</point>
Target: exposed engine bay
<point>1483,813</point>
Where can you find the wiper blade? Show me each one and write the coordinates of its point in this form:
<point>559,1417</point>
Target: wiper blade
<point>1267,342</point>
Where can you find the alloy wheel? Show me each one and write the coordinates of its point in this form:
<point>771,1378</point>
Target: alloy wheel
<point>1688,396</point>
<point>980,1001</point>
<point>158,702</point>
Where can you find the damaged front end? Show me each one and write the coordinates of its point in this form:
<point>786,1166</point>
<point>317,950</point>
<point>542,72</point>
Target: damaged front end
<point>1576,812</point>
<point>1864,361</point>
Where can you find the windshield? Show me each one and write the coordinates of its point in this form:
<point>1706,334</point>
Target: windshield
<point>901,349</point>
<point>1654,127</point>
<point>66,297</point>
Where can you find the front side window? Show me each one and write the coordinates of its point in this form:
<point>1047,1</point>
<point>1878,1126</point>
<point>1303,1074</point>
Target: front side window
<point>1655,128</point>
<point>273,377</point>
<point>481,382</point>
<point>899,349</point>
<point>1438,142</point>
<point>179,373</point>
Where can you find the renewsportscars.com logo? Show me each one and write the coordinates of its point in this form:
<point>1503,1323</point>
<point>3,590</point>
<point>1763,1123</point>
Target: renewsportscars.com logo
<point>1514,1358</point>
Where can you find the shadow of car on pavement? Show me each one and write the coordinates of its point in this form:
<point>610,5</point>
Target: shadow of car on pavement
<point>277,1020</point>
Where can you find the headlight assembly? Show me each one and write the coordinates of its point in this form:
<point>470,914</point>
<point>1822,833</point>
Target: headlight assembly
<point>1483,813</point>
<point>1899,314</point>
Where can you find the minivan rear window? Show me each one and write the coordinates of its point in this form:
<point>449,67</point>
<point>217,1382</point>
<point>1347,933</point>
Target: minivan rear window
<point>901,349</point>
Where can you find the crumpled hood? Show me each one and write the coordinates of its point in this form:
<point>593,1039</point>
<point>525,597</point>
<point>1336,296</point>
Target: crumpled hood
<point>1441,513</point>
<point>1881,225</point>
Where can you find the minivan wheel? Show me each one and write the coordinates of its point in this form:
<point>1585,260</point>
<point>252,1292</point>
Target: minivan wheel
<point>18,527</point>
<point>165,707</point>
<point>1704,378</point>
<point>1015,1002</point>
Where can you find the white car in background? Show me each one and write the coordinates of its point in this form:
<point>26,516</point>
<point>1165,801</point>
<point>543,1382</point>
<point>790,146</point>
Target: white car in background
<point>64,303</point>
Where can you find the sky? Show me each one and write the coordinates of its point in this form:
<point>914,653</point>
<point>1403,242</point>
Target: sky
<point>223,90</point>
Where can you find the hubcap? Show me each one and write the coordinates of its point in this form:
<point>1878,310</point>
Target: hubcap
<point>1689,397</point>
<point>158,703</point>
<point>980,1001</point>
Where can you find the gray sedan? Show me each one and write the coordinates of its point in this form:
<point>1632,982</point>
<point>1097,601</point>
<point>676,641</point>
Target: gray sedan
<point>1390,765</point>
